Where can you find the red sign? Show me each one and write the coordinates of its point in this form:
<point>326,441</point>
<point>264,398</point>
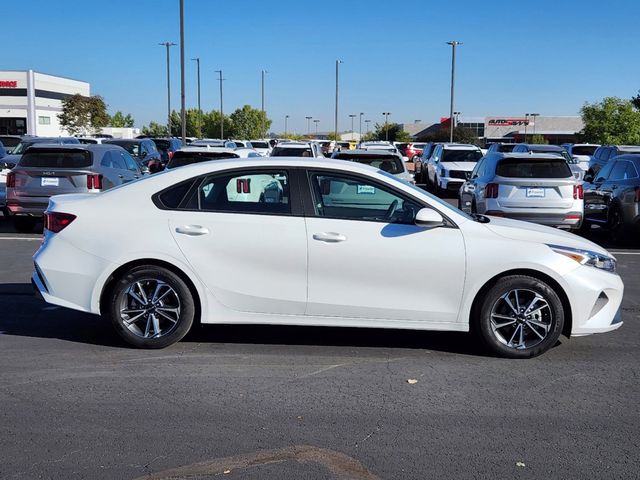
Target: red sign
<point>8,83</point>
<point>510,122</point>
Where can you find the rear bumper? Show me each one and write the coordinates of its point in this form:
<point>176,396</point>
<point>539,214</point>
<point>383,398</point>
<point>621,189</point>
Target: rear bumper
<point>452,184</point>
<point>568,220</point>
<point>31,206</point>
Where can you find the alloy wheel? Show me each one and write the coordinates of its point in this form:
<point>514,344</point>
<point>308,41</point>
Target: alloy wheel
<point>521,319</point>
<point>150,308</point>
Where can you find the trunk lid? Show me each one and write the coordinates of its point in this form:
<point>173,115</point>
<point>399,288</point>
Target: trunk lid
<point>539,193</point>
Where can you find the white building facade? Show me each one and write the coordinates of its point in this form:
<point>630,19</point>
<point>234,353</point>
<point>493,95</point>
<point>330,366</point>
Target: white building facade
<point>31,101</point>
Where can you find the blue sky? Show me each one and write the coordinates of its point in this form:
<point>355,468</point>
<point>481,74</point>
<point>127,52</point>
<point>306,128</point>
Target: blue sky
<point>545,56</point>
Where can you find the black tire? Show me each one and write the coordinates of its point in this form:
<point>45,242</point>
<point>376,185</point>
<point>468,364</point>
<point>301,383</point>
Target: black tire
<point>474,207</point>
<point>437,191</point>
<point>118,295</point>
<point>615,225</point>
<point>25,224</point>
<point>506,340</point>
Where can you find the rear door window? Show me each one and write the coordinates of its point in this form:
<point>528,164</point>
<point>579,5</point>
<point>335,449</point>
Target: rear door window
<point>56,159</point>
<point>619,171</point>
<point>265,192</point>
<point>525,168</point>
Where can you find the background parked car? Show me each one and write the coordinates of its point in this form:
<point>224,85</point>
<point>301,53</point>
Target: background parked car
<point>604,153</point>
<point>142,149</point>
<point>297,149</point>
<point>167,147</point>
<point>386,161</point>
<point>581,152</point>
<point>47,170</point>
<point>612,198</point>
<point>501,147</point>
<point>262,147</point>
<point>533,187</point>
<point>10,142</point>
<point>578,172</point>
<point>420,163</point>
<point>189,155</point>
<point>450,165</point>
<point>213,142</point>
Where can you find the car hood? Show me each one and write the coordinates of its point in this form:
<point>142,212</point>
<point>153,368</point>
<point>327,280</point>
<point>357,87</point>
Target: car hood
<point>464,166</point>
<point>532,232</point>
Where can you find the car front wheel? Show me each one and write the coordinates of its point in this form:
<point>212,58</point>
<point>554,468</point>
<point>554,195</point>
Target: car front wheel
<point>519,317</point>
<point>150,307</point>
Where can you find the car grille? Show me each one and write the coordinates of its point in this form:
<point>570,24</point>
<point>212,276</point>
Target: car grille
<point>460,174</point>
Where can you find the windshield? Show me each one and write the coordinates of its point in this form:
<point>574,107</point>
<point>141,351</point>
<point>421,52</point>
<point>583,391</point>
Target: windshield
<point>388,163</point>
<point>461,155</point>
<point>291,152</point>
<point>180,159</point>
<point>584,149</point>
<point>260,144</point>
<point>525,168</point>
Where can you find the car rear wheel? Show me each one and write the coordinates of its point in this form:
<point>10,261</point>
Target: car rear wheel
<point>519,317</point>
<point>25,224</point>
<point>150,307</point>
<point>616,225</point>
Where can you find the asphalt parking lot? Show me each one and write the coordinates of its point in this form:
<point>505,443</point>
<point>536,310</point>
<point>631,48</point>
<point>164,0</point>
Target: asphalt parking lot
<point>282,402</point>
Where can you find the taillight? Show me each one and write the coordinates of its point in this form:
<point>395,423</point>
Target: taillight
<point>56,221</point>
<point>11,180</point>
<point>491,190</point>
<point>578,192</point>
<point>170,155</point>
<point>94,182</point>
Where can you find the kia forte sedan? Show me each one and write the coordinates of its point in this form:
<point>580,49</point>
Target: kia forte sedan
<point>294,241</point>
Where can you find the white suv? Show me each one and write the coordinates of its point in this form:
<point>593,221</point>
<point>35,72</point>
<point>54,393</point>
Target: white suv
<point>297,149</point>
<point>450,166</point>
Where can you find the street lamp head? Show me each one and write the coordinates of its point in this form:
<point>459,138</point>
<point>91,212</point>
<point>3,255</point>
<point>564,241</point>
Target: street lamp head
<point>454,43</point>
<point>197,59</point>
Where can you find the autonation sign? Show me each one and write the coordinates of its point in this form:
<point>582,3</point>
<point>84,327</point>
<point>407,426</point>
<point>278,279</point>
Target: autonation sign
<point>508,122</point>
<point>8,83</point>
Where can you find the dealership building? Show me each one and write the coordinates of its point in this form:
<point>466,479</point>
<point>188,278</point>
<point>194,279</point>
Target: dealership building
<point>31,101</point>
<point>554,129</point>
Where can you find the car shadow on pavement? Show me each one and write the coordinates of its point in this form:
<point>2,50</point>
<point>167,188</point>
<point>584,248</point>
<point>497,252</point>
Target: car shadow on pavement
<point>24,315</point>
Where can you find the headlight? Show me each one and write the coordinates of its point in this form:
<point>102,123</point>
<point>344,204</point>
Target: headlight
<point>587,257</point>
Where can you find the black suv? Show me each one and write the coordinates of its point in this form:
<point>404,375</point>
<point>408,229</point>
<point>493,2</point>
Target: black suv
<point>604,153</point>
<point>167,147</point>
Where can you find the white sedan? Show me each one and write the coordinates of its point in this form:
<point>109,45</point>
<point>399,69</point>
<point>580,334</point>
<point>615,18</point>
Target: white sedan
<point>294,241</point>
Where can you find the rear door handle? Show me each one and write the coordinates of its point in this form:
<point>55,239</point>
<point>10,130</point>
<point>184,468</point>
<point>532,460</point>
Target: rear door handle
<point>192,230</point>
<point>329,237</point>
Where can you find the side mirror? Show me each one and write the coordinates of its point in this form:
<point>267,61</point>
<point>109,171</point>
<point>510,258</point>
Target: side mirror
<point>428,218</point>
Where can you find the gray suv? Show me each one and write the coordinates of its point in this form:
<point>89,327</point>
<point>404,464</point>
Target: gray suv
<point>47,170</point>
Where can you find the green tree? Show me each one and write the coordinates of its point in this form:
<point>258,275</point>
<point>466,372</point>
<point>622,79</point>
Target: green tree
<point>119,120</point>
<point>460,135</point>
<point>292,136</point>
<point>211,125</point>
<point>83,115</point>
<point>395,133</point>
<point>611,121</point>
<point>248,123</point>
<point>155,130</point>
<point>539,139</point>
<point>636,101</point>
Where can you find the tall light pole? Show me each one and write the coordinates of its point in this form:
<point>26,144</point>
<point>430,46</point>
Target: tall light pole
<point>360,127</point>
<point>264,72</point>
<point>453,44</point>
<point>219,72</point>
<point>308,125</point>
<point>167,45</point>
<point>197,60</point>
<point>316,121</point>
<point>338,62</point>
<point>526,124</point>
<point>183,105</point>
<point>352,116</point>
<point>386,125</point>
<point>286,118</point>
<point>367,122</point>
<point>534,115</point>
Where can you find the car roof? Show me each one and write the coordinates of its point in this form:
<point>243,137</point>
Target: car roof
<point>459,146</point>
<point>294,144</point>
<point>204,148</point>
<point>90,147</point>
<point>125,140</point>
<point>374,152</point>
<point>524,156</point>
<point>628,148</point>
<point>541,146</point>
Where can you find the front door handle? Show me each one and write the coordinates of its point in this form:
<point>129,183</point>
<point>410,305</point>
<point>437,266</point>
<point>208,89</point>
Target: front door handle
<point>192,230</point>
<point>329,237</point>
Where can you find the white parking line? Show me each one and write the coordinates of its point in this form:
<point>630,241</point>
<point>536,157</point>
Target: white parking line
<point>22,238</point>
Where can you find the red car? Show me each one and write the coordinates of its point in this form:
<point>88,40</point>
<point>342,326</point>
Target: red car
<point>414,150</point>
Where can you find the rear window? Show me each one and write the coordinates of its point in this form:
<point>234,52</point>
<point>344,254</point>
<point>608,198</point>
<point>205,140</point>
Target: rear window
<point>180,159</point>
<point>461,155</point>
<point>584,150</point>
<point>506,148</point>
<point>172,197</point>
<point>56,159</point>
<point>525,168</point>
<point>387,163</point>
<point>259,144</point>
<point>162,144</point>
<point>291,152</point>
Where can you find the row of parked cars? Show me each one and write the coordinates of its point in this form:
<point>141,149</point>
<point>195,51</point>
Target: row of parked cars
<point>573,186</point>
